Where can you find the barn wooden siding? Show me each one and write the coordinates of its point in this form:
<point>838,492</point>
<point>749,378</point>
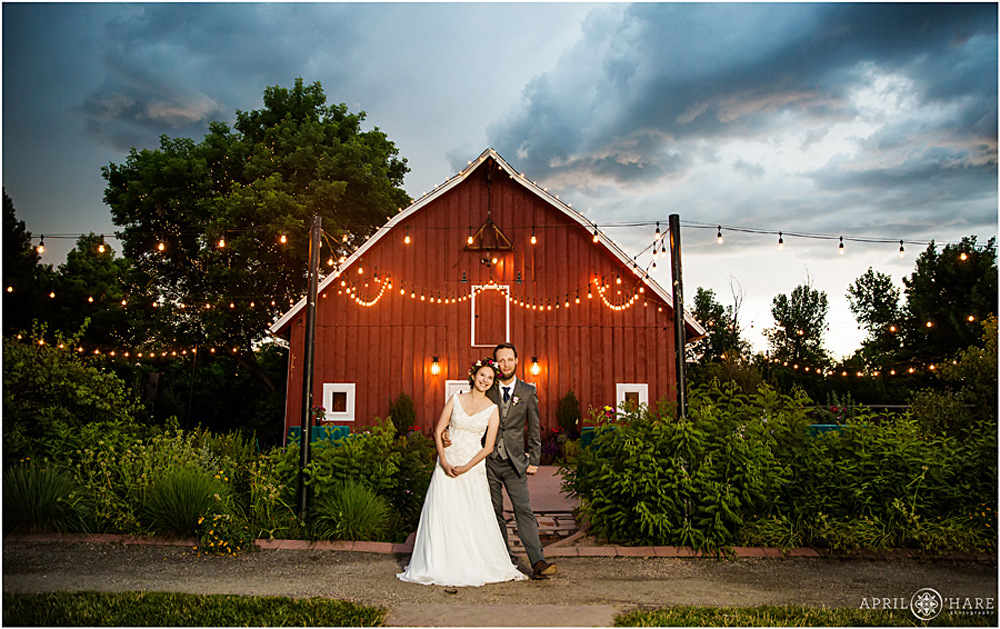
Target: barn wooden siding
<point>387,349</point>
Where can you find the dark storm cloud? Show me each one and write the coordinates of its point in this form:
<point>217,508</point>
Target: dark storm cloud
<point>684,75</point>
<point>173,68</point>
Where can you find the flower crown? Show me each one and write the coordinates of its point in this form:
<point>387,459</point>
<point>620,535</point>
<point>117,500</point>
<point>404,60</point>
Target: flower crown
<point>479,364</point>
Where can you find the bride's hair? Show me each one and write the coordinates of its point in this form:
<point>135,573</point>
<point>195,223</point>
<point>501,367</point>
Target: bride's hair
<point>479,364</point>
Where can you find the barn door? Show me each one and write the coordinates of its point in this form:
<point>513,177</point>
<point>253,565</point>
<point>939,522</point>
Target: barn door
<point>490,315</point>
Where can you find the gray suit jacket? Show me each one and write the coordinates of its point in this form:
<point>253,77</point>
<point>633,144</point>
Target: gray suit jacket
<point>523,411</point>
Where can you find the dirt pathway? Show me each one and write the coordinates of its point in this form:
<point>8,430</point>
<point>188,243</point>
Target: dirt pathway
<point>587,592</point>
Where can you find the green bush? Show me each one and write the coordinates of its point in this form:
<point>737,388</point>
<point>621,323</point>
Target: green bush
<point>651,479</point>
<point>177,501</point>
<point>568,414</point>
<point>225,534</point>
<point>412,477</point>
<point>367,456</point>
<point>402,413</point>
<point>350,510</point>
<point>46,386</point>
<point>40,500</point>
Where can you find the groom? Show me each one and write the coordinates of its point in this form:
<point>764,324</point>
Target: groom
<point>508,466</point>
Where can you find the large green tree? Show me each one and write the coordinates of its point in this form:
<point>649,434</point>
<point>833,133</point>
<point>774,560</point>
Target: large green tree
<point>24,280</point>
<point>948,296</point>
<point>723,338</point>
<point>800,321</point>
<point>203,223</point>
<point>875,302</point>
<point>90,285</point>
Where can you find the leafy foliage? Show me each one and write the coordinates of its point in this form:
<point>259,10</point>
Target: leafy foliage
<point>47,389</point>
<point>874,301</point>
<point>653,480</point>
<point>219,206</point>
<point>800,320</point>
<point>945,290</point>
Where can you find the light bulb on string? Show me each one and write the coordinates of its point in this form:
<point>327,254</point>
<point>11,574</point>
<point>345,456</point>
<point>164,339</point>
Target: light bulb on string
<point>222,242</point>
<point>718,235</point>
<point>534,240</point>
<point>406,240</point>
<point>100,248</point>
<point>657,236</point>
<point>781,241</point>
<point>841,247</point>
<point>283,238</point>
<point>41,244</point>
<point>596,237</point>
<point>902,252</point>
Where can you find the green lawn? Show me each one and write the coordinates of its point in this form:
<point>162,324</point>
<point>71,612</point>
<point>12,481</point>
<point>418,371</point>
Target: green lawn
<point>791,616</point>
<point>143,609</point>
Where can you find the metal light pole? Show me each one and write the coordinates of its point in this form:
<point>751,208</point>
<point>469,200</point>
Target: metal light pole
<point>678,291</point>
<point>309,353</point>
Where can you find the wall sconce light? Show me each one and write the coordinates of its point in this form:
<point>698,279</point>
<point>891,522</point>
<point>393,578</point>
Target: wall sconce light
<point>535,369</point>
<point>435,366</point>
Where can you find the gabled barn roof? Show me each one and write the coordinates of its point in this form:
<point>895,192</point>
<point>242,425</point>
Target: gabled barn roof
<point>694,327</point>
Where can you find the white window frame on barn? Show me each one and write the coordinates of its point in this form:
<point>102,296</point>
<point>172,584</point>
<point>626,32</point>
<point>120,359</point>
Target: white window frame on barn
<point>622,389</point>
<point>500,287</point>
<point>451,387</point>
<point>329,388</point>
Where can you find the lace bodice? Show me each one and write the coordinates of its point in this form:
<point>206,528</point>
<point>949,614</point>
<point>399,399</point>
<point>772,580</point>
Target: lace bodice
<point>466,432</point>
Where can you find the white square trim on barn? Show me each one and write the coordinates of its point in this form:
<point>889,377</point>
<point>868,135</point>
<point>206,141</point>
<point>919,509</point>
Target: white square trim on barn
<point>452,387</point>
<point>637,389</point>
<point>336,389</point>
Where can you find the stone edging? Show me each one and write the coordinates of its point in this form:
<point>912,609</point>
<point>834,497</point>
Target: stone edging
<point>558,551</point>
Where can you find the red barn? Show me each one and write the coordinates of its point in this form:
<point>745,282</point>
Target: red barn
<point>486,257</point>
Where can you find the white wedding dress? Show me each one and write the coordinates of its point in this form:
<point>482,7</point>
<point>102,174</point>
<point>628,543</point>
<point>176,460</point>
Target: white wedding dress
<point>458,540</point>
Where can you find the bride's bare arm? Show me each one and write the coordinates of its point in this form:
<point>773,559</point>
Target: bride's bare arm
<point>442,425</point>
<point>491,438</point>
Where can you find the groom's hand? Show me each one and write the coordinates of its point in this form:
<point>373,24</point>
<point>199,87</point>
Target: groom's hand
<point>531,470</point>
<point>445,439</point>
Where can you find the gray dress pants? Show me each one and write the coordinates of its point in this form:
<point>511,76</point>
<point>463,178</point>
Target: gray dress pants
<point>501,474</point>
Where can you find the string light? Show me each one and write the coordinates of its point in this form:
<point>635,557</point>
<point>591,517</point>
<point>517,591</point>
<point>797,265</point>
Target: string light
<point>596,237</point>
<point>657,236</point>
<point>781,241</point>
<point>718,235</point>
<point>284,238</point>
<point>222,242</point>
<point>406,240</point>
<point>41,244</point>
<point>533,239</point>
<point>902,252</point>
<point>841,248</point>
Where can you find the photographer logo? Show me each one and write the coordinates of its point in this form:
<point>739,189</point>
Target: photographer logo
<point>926,604</point>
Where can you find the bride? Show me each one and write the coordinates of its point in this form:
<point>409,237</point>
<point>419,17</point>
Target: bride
<point>458,540</point>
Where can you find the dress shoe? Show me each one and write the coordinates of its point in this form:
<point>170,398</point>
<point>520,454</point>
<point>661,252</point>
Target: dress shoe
<point>542,570</point>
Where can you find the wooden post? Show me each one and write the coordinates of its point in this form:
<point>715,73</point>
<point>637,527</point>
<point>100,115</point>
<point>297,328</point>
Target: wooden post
<point>679,331</point>
<point>309,353</point>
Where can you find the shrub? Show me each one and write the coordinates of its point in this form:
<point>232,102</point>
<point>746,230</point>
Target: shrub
<point>366,456</point>
<point>225,534</point>
<point>649,478</point>
<point>412,477</point>
<point>350,511</point>
<point>37,500</point>
<point>568,415</point>
<point>177,500</point>
<point>45,386</point>
<point>273,482</point>
<point>402,413</point>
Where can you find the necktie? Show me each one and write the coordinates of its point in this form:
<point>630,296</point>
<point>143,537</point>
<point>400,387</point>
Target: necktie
<point>506,394</point>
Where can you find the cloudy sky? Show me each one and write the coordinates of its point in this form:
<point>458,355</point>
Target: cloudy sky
<point>866,121</point>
